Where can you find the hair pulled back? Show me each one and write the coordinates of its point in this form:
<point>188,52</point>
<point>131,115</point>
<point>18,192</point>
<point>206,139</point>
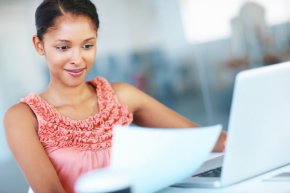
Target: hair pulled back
<point>47,12</point>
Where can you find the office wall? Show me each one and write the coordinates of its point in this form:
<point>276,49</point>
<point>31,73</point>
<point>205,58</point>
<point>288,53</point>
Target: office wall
<point>130,24</point>
<point>19,73</point>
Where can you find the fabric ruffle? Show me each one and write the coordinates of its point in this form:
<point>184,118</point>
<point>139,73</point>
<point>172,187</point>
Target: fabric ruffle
<point>94,132</point>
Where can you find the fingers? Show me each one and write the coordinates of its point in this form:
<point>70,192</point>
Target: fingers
<point>221,143</point>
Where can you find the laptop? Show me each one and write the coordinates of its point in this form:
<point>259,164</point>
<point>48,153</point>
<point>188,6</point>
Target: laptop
<point>258,133</point>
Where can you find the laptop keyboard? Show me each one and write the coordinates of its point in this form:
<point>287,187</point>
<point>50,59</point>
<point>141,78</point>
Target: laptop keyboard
<point>216,172</point>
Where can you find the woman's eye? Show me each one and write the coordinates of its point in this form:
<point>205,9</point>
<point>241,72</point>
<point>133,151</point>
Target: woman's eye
<point>88,46</point>
<point>62,48</point>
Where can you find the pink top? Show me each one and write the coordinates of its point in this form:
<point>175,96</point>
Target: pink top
<point>78,146</point>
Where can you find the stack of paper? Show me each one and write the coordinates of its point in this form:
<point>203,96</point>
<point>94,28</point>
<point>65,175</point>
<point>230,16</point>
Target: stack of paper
<point>156,158</point>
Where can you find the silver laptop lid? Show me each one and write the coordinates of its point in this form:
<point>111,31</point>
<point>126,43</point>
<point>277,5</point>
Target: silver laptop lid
<point>259,127</point>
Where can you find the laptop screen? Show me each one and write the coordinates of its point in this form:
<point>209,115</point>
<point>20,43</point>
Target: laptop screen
<point>259,127</point>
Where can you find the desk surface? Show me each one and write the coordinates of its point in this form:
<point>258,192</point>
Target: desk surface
<point>253,185</point>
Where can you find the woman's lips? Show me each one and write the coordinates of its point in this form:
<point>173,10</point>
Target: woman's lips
<point>75,72</point>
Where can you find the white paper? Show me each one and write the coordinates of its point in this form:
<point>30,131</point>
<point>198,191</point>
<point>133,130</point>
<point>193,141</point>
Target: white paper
<point>156,158</point>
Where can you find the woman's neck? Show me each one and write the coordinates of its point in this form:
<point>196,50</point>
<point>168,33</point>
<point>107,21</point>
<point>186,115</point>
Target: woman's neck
<point>60,95</point>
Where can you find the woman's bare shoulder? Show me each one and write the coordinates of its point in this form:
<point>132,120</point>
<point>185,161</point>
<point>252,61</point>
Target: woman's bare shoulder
<point>125,90</point>
<point>120,86</point>
<point>19,109</point>
<point>127,94</point>
<point>19,114</point>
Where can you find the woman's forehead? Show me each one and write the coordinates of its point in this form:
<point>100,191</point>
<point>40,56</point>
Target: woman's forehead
<point>70,26</point>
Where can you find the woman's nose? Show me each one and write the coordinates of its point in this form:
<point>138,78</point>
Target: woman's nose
<point>76,57</point>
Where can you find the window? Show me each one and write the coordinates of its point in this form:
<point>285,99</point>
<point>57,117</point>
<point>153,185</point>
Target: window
<point>207,20</point>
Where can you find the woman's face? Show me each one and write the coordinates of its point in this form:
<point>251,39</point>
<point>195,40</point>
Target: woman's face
<point>70,49</point>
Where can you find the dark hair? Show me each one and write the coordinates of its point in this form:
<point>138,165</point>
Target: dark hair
<point>49,10</point>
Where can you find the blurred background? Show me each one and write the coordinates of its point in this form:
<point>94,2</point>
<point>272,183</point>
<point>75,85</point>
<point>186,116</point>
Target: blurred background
<point>185,53</point>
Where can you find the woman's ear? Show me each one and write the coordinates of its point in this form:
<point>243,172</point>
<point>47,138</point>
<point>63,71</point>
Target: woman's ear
<point>38,45</point>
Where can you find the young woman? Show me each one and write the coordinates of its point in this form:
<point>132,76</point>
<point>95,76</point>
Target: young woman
<point>66,130</point>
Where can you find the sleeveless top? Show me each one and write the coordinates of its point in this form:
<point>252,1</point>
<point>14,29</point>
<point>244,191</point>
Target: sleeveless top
<point>78,146</point>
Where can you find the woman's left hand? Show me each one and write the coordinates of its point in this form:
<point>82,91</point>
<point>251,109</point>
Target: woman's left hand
<point>221,142</point>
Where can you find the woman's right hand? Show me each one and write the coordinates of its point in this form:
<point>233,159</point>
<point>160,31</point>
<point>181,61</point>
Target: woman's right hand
<point>221,142</point>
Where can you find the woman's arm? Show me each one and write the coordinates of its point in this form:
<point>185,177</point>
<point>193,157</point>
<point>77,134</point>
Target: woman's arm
<point>20,126</point>
<point>149,112</point>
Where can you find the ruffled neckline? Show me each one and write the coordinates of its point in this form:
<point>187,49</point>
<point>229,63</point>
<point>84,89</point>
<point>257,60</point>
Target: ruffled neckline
<point>101,100</point>
<point>66,118</point>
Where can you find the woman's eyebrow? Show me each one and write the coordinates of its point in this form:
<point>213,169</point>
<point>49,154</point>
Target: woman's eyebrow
<point>61,40</point>
<point>67,41</point>
<point>91,38</point>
